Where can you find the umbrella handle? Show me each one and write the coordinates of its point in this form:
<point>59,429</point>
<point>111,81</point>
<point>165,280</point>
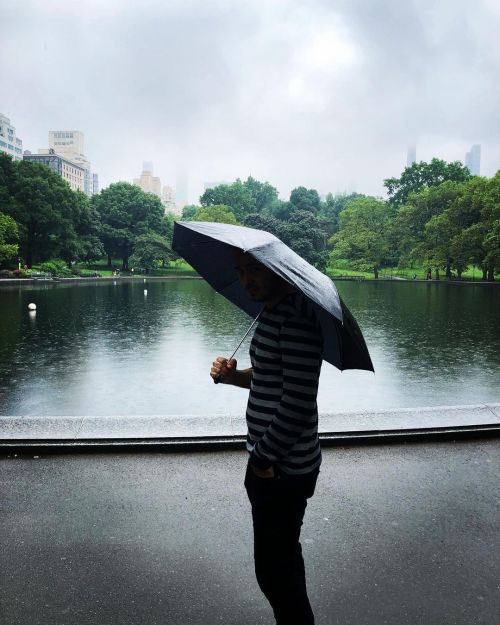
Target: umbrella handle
<point>217,379</point>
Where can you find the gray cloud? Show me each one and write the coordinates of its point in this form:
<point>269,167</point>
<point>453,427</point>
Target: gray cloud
<point>322,94</point>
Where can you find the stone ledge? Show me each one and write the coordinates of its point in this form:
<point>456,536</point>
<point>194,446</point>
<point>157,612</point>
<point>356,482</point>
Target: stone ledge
<point>178,428</point>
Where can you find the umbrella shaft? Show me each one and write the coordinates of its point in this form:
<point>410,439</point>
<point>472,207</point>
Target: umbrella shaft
<point>245,336</point>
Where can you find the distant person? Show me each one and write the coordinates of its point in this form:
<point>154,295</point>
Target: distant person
<point>282,419</point>
<point>429,274</point>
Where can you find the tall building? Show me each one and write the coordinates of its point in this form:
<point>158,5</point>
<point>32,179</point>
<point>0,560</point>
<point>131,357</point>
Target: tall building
<point>71,172</point>
<point>411,156</point>
<point>168,199</point>
<point>147,182</point>
<point>152,184</point>
<point>9,142</point>
<point>70,144</point>
<point>181,188</point>
<point>473,159</point>
<point>95,184</point>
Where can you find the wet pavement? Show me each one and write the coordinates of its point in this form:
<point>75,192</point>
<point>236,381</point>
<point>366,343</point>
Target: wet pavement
<point>395,535</point>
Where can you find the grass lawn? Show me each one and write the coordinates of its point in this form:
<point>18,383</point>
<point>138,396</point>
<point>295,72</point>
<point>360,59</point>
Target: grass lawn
<point>342,271</point>
<point>175,268</point>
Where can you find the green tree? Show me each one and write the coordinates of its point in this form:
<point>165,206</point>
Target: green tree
<point>422,175</point>
<point>446,225</point>
<point>261,221</point>
<point>331,208</point>
<point>362,234</point>
<point>281,210</point>
<point>43,204</point>
<point>408,234</point>
<point>302,232</point>
<point>82,224</point>
<point>9,235</point>
<point>8,172</point>
<point>218,213</point>
<point>481,239</point>
<point>263,193</point>
<point>126,213</point>
<point>188,211</point>
<point>151,247</point>
<point>236,195</point>
<point>305,199</point>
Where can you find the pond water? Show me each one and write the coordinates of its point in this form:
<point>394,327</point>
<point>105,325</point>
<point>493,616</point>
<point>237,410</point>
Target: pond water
<point>105,349</point>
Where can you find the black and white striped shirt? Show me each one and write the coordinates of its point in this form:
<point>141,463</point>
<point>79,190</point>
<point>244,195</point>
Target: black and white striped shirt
<point>282,413</point>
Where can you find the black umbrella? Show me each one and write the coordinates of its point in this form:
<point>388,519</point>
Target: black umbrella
<point>208,248</point>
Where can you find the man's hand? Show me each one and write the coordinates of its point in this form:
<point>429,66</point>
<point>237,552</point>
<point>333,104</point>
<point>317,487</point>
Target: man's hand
<point>265,473</point>
<point>224,370</point>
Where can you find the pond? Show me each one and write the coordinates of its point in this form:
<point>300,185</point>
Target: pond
<point>112,349</point>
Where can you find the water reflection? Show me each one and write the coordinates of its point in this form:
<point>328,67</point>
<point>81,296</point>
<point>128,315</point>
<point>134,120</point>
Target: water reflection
<point>111,349</point>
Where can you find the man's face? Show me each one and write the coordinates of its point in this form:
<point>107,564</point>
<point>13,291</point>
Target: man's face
<point>259,282</point>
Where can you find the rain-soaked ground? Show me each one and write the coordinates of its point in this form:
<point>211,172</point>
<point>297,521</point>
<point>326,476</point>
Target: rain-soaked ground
<point>395,535</point>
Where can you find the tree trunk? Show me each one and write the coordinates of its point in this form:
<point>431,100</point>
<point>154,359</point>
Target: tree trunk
<point>459,274</point>
<point>29,258</point>
<point>109,261</point>
<point>125,264</point>
<point>448,270</point>
<point>375,271</point>
<point>491,273</point>
<point>437,273</point>
<point>485,274</point>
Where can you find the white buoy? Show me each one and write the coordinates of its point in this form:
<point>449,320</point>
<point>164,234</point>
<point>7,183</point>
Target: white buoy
<point>144,280</point>
<point>114,282</point>
<point>145,291</point>
<point>32,306</point>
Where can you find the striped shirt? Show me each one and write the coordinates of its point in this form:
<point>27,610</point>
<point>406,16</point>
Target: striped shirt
<point>282,413</point>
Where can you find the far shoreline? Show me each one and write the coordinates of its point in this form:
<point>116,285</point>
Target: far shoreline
<point>5,282</point>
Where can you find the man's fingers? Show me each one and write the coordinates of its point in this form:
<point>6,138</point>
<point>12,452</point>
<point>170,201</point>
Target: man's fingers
<point>221,367</point>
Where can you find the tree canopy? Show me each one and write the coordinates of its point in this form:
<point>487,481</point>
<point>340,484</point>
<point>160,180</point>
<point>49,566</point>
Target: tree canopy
<point>127,213</point>
<point>218,213</point>
<point>53,220</point>
<point>9,235</point>
<point>421,175</point>
<point>437,215</point>
<point>362,234</point>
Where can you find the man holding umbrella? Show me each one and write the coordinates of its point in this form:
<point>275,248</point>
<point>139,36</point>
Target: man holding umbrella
<point>282,418</point>
<point>302,321</point>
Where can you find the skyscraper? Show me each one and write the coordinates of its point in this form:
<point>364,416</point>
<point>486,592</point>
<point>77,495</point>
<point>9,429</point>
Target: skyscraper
<point>181,187</point>
<point>70,171</point>
<point>9,142</point>
<point>473,159</point>
<point>70,145</point>
<point>147,182</point>
<point>168,199</point>
<point>411,156</point>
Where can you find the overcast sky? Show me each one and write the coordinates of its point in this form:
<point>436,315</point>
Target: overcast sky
<point>320,93</point>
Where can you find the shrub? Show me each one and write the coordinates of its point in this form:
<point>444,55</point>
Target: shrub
<point>55,267</point>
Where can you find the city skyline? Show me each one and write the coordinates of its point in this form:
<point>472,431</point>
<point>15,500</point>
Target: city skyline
<point>298,94</point>
<point>472,160</point>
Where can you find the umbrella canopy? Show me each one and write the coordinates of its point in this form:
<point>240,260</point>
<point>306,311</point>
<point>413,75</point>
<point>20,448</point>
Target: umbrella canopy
<point>208,248</point>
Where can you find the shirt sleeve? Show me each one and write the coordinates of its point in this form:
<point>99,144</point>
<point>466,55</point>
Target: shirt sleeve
<point>301,348</point>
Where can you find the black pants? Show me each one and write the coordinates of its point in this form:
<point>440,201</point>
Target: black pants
<point>278,507</point>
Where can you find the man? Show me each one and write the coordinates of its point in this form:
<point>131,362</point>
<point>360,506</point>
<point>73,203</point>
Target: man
<point>282,440</point>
